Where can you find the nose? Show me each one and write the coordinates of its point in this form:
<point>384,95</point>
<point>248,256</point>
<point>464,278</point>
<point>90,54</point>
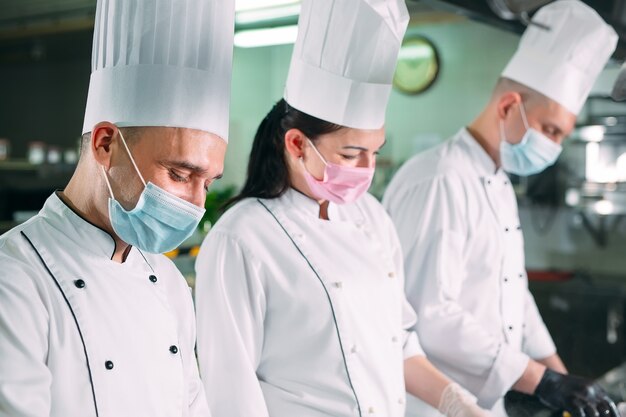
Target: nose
<point>367,161</point>
<point>198,196</point>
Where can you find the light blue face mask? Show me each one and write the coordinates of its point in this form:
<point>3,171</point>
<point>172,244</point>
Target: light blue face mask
<point>159,222</point>
<point>534,153</point>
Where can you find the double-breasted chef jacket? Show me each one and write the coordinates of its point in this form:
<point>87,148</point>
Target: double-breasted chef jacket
<point>457,219</point>
<point>300,316</point>
<point>84,336</point>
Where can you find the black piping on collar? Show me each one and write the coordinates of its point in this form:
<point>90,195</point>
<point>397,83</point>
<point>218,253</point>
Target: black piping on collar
<point>61,197</point>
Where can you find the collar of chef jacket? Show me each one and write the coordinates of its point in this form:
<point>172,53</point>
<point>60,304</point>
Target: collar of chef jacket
<point>90,237</point>
<point>310,207</point>
<point>482,162</point>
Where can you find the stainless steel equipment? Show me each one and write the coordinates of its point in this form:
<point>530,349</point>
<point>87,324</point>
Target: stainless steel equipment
<point>595,174</point>
<point>596,159</point>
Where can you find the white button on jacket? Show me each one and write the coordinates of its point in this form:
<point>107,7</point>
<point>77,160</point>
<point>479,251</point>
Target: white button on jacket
<point>84,336</point>
<point>458,224</point>
<point>296,315</point>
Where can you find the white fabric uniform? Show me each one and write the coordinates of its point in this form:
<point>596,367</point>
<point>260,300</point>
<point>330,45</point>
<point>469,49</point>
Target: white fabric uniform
<point>464,263</point>
<point>310,320</point>
<point>67,311</point>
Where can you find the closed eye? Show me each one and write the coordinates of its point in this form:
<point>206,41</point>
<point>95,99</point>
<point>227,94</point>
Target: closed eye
<point>176,177</point>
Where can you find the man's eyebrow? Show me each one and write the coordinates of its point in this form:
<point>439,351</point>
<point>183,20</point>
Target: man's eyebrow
<point>183,165</point>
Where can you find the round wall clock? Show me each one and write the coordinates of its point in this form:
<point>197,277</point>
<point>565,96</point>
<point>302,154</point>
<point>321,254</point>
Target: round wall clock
<point>418,65</point>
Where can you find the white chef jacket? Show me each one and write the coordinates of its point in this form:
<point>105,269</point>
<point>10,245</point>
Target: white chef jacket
<point>299,316</point>
<point>457,218</point>
<point>82,335</point>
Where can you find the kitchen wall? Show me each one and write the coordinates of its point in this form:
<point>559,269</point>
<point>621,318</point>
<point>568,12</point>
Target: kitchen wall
<point>46,102</point>
<point>472,56</point>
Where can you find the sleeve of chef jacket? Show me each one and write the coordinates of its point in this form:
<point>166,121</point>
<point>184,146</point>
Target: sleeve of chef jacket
<point>411,345</point>
<point>430,221</point>
<point>230,308</point>
<point>24,377</point>
<point>537,342</point>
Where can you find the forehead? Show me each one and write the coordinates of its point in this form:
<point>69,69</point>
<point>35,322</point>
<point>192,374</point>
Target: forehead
<point>351,136</point>
<point>194,146</point>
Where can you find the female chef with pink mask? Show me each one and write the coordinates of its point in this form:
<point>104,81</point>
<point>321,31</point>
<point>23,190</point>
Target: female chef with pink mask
<point>300,302</point>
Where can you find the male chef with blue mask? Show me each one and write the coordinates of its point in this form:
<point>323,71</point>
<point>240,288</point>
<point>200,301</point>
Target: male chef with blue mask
<point>457,218</point>
<point>94,321</point>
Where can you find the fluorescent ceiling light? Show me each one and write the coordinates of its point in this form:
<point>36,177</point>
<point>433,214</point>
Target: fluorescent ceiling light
<point>268,13</point>
<point>265,37</point>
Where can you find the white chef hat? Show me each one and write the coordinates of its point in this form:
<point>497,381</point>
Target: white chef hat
<point>162,63</point>
<point>563,62</point>
<point>344,59</point>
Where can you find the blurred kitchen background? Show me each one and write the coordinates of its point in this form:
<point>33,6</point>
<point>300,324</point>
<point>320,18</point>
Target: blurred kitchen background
<point>572,214</point>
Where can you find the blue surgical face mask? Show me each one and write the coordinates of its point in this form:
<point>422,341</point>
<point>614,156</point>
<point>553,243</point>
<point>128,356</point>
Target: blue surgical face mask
<point>534,153</point>
<point>159,222</point>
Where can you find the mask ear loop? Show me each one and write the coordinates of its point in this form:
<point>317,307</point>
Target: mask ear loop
<point>106,179</point>
<point>131,157</point>
<point>523,111</point>
<point>317,152</point>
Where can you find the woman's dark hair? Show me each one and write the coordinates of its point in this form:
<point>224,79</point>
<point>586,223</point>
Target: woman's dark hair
<point>268,173</point>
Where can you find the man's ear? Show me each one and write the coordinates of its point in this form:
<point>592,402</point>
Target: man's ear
<point>294,143</point>
<point>102,138</point>
<point>506,102</point>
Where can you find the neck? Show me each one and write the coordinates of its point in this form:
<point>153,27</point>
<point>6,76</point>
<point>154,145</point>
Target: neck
<point>486,132</point>
<point>87,195</point>
<point>324,209</point>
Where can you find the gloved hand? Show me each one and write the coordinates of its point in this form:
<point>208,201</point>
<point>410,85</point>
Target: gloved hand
<point>578,396</point>
<point>457,402</point>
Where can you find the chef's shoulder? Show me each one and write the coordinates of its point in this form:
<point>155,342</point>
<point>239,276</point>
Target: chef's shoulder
<point>244,220</point>
<point>444,160</point>
<point>14,243</point>
<point>443,167</point>
<point>17,258</point>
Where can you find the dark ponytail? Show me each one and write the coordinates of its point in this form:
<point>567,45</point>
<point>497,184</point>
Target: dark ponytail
<point>268,172</point>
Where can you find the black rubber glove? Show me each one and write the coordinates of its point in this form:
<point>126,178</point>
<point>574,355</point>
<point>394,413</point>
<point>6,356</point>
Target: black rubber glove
<point>578,396</point>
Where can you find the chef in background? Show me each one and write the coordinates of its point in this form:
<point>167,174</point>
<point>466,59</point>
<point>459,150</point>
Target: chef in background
<point>456,214</point>
<point>299,292</point>
<point>93,320</point>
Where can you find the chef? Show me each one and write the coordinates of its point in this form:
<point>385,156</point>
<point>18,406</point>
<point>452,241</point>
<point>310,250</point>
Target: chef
<point>456,214</point>
<point>93,320</point>
<point>300,302</point>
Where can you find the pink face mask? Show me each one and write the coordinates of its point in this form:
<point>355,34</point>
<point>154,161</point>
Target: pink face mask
<point>341,184</point>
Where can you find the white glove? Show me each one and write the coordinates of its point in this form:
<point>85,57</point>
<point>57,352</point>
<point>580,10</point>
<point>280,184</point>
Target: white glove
<point>457,402</point>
